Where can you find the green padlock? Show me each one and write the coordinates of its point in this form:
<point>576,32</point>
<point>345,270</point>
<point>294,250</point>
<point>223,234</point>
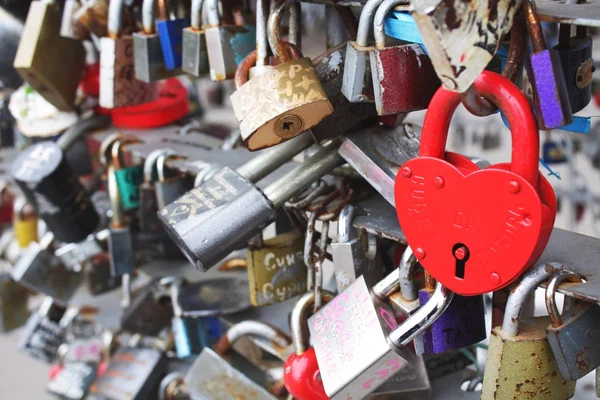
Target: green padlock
<point>129,179</point>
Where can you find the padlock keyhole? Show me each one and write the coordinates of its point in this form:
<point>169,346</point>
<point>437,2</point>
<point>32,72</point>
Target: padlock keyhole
<point>287,125</point>
<point>461,255</point>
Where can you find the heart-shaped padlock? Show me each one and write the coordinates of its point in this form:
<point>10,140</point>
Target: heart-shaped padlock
<point>474,230</point>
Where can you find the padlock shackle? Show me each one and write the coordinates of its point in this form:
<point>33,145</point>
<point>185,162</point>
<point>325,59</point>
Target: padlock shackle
<point>294,24</point>
<point>212,13</point>
<point>115,12</point>
<point>345,230</point>
<point>19,207</point>
<point>161,163</point>
<point>74,133</point>
<point>242,73</point>
<point>106,147</point>
<point>299,319</point>
<point>550,295</point>
<point>511,101</point>
<point>283,52</point>
<point>148,16</point>
<point>379,19</point>
<point>423,318</point>
<point>150,163</point>
<point>196,14</point>
<point>262,42</point>
<point>538,44</point>
<point>279,340</point>
<point>519,294</point>
<point>364,22</point>
<point>387,286</point>
<point>406,270</point>
<point>117,150</point>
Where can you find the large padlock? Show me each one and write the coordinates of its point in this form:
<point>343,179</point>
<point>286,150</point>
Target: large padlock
<point>147,49</point>
<point>118,85</point>
<point>170,32</point>
<point>353,253</point>
<point>461,325</point>
<point>459,48</point>
<point>520,360</point>
<point>348,368</point>
<point>572,336</point>
<point>545,73</point>
<point>195,55</point>
<point>296,98</point>
<point>25,223</point>
<point>301,371</point>
<point>45,70</point>
<point>357,84</point>
<point>169,188</point>
<point>226,45</point>
<point>465,245</point>
<point>132,374</point>
<point>48,183</point>
<point>575,55</point>
<point>403,76</point>
<point>276,269</point>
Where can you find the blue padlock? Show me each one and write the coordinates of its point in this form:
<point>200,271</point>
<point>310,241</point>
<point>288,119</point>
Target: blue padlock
<point>171,40</point>
<point>401,25</point>
<point>193,334</point>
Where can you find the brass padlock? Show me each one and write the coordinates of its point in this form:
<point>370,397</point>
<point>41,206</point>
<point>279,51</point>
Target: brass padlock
<point>50,63</point>
<point>25,223</point>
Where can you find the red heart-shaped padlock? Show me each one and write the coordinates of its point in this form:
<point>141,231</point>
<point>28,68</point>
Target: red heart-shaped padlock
<point>475,231</point>
<point>302,378</point>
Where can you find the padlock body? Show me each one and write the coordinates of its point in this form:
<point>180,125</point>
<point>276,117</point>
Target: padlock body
<point>276,270</point>
<point>350,262</point>
<point>149,222</point>
<point>339,331</point>
<point>149,61</point>
<point>553,153</point>
<point>346,115</point>
<point>220,48</point>
<point>118,85</point>
<point>26,230</point>
<point>129,180</point>
<point>45,69</point>
<point>120,248</point>
<point>132,374</point>
<point>577,65</point>
<point>171,40</point>
<point>170,190</point>
<point>550,95</point>
<point>296,102</point>
<point>523,365</point>
<point>42,335</point>
<point>98,276</point>
<point>403,308</point>
<point>14,309</point>
<point>193,334</point>
<point>73,381</point>
<point>243,43</point>
<point>195,55</point>
<point>146,314</point>
<point>72,255</point>
<point>575,342</point>
<point>461,325</point>
<point>411,382</point>
<point>393,93</point>
<point>357,85</point>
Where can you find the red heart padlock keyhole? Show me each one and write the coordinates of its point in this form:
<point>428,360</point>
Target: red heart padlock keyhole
<point>301,376</point>
<point>476,231</point>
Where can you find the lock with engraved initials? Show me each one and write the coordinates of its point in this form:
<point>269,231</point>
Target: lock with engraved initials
<point>350,369</point>
<point>464,243</point>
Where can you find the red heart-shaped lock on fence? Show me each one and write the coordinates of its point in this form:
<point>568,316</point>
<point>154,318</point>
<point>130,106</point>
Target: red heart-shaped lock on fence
<point>475,230</point>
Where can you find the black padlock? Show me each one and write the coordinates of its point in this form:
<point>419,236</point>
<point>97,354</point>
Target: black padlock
<point>49,183</point>
<point>150,311</point>
<point>575,55</point>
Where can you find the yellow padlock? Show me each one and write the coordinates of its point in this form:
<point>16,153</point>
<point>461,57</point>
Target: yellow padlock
<point>25,223</point>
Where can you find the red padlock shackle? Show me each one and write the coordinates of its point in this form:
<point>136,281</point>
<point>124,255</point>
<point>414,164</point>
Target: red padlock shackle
<point>510,100</point>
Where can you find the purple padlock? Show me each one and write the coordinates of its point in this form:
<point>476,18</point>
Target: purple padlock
<point>461,325</point>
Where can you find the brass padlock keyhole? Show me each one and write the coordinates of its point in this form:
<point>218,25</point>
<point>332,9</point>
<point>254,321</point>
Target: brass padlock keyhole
<point>461,254</point>
<point>288,126</point>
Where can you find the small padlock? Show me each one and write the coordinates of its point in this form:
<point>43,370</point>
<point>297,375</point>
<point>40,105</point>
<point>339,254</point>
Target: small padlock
<point>575,55</point>
<point>404,79</point>
<point>297,100</point>
<point>148,313</point>
<point>169,188</point>
<point>14,298</point>
<point>129,178</point>
<point>98,277</point>
<point>553,152</point>
<point>147,49</point>
<point>132,374</point>
<point>520,360</point>
<point>461,325</point>
<point>573,337</point>
<point>148,218</point>
<point>73,255</point>
<point>351,257</point>
<point>170,32</point>
<point>73,381</point>
<point>45,70</point>
<point>276,269</point>
<point>195,55</point>
<point>550,94</point>
<point>357,84</point>
<point>465,245</point>
<point>118,85</point>
<point>25,223</point>
<point>226,45</point>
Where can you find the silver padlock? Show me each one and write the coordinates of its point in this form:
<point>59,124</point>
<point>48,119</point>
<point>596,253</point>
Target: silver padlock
<point>351,370</point>
<point>195,55</point>
<point>73,381</point>
<point>350,257</point>
<point>73,255</point>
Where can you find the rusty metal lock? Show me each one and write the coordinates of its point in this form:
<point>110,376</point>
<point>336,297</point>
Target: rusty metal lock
<point>462,222</point>
<point>403,76</point>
